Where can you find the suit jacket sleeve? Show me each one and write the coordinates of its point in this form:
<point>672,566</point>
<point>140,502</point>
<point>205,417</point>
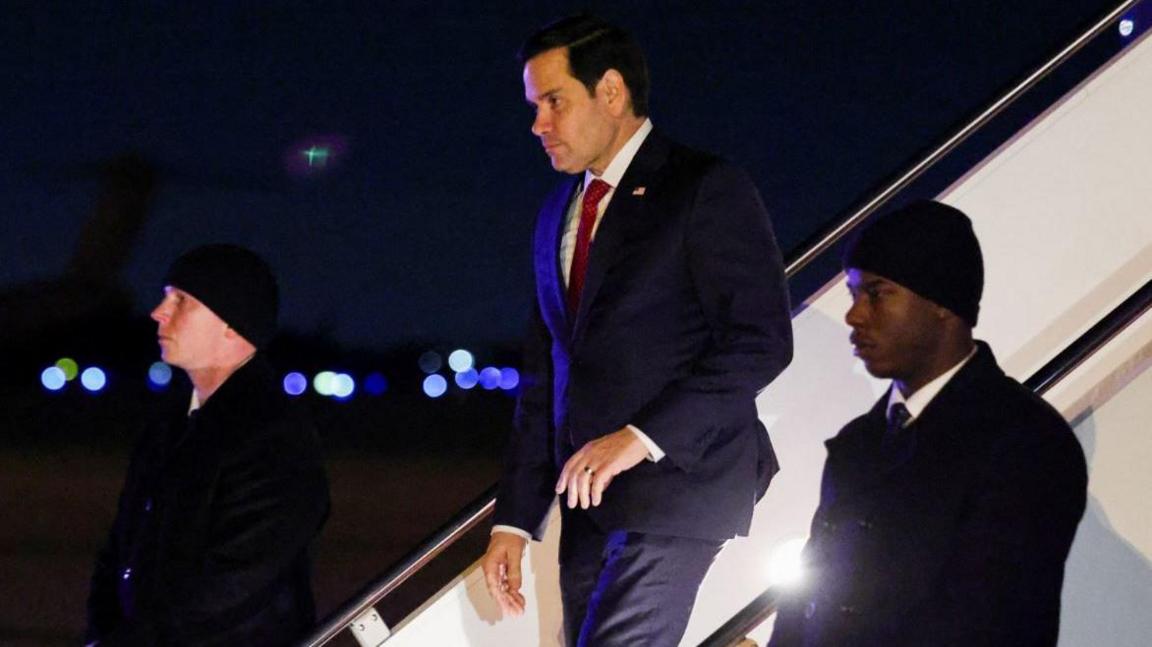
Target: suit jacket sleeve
<point>526,490</point>
<point>738,279</point>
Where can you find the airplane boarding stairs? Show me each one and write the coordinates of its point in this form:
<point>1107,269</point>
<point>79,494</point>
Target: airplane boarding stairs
<point>1064,214</point>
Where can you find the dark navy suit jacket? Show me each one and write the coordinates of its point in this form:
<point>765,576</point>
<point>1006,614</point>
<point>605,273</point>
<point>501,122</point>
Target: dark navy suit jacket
<point>684,318</point>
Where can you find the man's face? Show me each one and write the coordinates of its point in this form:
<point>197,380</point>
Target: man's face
<point>894,330</point>
<point>189,333</point>
<point>575,128</point>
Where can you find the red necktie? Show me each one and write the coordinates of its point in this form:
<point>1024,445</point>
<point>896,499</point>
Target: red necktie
<point>595,192</point>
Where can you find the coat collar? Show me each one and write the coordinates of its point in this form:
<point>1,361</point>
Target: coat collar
<point>963,392</point>
<point>241,403</point>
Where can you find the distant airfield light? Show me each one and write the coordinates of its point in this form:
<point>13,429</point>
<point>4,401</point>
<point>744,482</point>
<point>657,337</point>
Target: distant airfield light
<point>460,360</point>
<point>509,379</point>
<point>69,366</point>
<point>295,383</point>
<point>467,379</point>
<point>375,384</point>
<point>343,386</point>
<point>159,374</point>
<point>490,378</point>
<point>1127,26</point>
<point>435,386</point>
<point>430,362</point>
<point>315,154</point>
<point>324,383</point>
<point>53,378</point>
<point>93,379</point>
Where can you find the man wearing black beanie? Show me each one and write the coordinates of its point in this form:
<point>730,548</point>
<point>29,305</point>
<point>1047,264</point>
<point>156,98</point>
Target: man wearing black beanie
<point>947,511</point>
<point>211,540</point>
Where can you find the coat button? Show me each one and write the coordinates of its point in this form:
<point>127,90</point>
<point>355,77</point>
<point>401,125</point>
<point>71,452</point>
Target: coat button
<point>848,610</point>
<point>864,523</point>
<point>126,573</point>
<point>810,610</point>
<point>148,505</point>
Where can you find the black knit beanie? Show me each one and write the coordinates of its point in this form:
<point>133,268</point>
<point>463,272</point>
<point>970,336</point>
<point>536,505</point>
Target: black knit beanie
<point>234,283</point>
<point>929,248</point>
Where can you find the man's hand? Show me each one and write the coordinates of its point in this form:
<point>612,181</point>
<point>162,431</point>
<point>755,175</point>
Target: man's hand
<point>501,566</point>
<point>589,472</point>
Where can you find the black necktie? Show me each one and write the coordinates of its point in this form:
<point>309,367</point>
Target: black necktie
<point>898,416</point>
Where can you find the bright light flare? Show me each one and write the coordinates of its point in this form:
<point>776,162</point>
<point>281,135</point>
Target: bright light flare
<point>786,564</point>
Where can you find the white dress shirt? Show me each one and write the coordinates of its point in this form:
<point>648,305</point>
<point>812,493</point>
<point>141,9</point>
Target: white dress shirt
<point>923,396</point>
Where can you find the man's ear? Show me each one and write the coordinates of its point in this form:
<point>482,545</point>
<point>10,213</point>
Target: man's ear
<point>615,92</point>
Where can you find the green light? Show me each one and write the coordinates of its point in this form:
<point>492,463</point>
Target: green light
<point>316,155</point>
<point>69,366</point>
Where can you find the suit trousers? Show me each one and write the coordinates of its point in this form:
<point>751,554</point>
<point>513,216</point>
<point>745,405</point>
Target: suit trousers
<point>628,588</point>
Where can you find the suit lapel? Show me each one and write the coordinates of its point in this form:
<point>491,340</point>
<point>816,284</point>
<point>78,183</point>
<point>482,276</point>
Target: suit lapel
<point>626,207</point>
<point>550,278</point>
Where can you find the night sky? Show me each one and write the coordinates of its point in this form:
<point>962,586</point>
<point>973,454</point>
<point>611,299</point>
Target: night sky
<point>416,226</point>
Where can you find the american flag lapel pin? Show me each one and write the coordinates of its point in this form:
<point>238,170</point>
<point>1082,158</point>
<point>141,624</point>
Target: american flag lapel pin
<point>638,190</point>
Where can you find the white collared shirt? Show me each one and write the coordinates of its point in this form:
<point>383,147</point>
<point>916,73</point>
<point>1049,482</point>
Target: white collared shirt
<point>612,175</point>
<point>923,396</point>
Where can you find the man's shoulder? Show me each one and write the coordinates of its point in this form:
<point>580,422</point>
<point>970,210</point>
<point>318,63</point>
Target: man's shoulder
<point>1002,401</point>
<point>688,159</point>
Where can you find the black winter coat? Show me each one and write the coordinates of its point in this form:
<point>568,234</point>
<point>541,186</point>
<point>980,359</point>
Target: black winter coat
<point>211,540</point>
<point>960,539</point>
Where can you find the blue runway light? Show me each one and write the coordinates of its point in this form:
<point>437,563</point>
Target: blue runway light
<point>375,384</point>
<point>509,378</point>
<point>435,386</point>
<point>295,383</point>
<point>467,379</point>
<point>490,378</point>
<point>159,374</point>
<point>461,360</point>
<point>430,362</point>
<point>53,378</point>
<point>93,379</point>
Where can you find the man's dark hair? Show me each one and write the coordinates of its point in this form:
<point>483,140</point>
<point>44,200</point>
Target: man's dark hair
<point>594,47</point>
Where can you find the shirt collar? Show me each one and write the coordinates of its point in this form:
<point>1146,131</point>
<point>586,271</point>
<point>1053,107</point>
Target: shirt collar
<point>619,164</point>
<point>925,394</point>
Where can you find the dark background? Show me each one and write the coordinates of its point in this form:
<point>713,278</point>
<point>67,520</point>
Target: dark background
<point>133,131</point>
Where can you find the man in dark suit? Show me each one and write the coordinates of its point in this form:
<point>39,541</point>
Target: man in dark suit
<point>648,349</point>
<point>211,540</point>
<point>947,511</point>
